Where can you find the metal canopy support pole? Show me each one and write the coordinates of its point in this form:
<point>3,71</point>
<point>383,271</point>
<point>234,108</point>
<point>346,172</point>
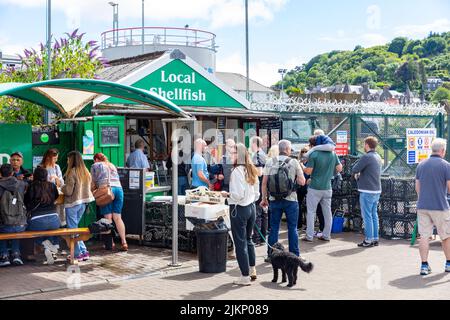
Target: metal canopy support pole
<point>174,155</point>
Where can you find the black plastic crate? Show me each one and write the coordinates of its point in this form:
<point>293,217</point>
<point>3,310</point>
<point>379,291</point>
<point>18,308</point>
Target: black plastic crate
<point>401,189</point>
<point>397,226</point>
<point>160,213</point>
<point>155,236</point>
<point>394,207</point>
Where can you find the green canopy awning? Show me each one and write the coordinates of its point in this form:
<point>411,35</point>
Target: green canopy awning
<point>67,97</point>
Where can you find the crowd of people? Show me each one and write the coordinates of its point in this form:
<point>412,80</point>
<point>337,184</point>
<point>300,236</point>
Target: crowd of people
<point>48,200</point>
<point>259,187</point>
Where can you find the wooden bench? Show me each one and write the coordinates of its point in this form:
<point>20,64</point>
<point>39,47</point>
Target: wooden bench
<point>70,235</point>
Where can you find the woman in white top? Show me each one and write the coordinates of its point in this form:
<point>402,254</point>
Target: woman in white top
<point>244,191</point>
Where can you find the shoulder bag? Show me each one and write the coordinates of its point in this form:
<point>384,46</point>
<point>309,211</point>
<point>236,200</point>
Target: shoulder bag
<point>104,195</point>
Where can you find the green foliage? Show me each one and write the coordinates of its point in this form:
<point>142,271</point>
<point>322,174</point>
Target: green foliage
<point>441,94</point>
<point>396,64</point>
<point>70,58</point>
<point>397,45</point>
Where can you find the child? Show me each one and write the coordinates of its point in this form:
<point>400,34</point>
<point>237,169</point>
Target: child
<point>321,143</point>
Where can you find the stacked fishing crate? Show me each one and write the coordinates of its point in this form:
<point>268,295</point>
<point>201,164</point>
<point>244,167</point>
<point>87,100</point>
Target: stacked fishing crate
<point>397,208</point>
<point>158,227</point>
<point>345,196</point>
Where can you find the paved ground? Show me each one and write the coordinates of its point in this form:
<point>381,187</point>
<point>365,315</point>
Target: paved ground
<point>342,271</point>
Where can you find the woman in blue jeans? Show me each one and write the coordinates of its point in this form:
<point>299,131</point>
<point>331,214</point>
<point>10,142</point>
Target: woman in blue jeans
<point>40,202</point>
<point>105,173</point>
<point>77,195</point>
<point>244,192</point>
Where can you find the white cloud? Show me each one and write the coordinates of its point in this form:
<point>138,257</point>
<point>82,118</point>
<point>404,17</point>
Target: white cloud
<point>365,39</point>
<point>216,13</point>
<point>422,30</point>
<point>263,72</point>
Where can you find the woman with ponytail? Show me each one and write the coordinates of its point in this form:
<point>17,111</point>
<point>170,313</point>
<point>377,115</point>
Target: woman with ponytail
<point>244,192</point>
<point>104,173</point>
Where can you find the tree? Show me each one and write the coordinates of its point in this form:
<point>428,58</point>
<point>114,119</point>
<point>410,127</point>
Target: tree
<point>71,58</point>
<point>407,72</point>
<point>441,94</point>
<point>397,45</point>
<point>434,45</point>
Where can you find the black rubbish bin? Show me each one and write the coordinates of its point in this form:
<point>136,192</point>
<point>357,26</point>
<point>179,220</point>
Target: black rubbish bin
<point>212,250</point>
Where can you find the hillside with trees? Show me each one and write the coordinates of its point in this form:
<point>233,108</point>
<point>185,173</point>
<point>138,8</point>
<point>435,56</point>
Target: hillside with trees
<point>396,64</point>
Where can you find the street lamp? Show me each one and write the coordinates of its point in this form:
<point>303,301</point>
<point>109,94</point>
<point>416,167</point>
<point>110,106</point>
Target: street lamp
<point>247,58</point>
<point>115,21</point>
<point>142,40</point>
<point>49,52</point>
<point>282,72</point>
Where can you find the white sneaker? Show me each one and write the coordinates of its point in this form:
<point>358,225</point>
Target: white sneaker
<point>49,256</point>
<point>253,276</point>
<point>318,234</point>
<point>243,281</point>
<point>48,245</point>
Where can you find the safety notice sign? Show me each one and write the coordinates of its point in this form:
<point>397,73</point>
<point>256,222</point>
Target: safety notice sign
<point>419,144</point>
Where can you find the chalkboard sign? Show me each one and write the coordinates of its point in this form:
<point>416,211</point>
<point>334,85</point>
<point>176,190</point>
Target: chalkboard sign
<point>109,136</point>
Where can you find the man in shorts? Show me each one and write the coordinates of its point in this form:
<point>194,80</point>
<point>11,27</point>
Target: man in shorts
<point>432,186</point>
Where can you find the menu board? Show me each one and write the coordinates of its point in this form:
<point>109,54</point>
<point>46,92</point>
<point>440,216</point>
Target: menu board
<point>109,136</point>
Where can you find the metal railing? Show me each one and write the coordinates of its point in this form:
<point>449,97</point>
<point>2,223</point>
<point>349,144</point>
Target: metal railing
<point>325,106</point>
<point>158,36</point>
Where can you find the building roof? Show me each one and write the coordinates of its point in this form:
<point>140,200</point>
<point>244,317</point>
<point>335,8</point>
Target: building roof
<point>239,82</point>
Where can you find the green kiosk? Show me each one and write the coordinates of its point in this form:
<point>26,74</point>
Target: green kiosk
<point>71,100</point>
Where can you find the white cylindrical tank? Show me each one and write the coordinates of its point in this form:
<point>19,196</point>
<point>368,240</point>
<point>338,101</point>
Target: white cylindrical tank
<point>124,43</point>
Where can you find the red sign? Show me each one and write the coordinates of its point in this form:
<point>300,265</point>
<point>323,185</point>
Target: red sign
<point>341,149</point>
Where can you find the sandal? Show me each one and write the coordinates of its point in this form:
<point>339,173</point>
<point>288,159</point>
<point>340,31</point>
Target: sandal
<point>124,247</point>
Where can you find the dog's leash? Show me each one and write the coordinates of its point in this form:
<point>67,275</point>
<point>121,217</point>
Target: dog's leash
<point>260,233</point>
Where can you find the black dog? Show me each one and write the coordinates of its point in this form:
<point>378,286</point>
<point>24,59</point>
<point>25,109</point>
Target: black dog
<point>288,263</point>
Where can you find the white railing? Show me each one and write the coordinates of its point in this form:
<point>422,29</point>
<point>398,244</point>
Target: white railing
<point>323,106</point>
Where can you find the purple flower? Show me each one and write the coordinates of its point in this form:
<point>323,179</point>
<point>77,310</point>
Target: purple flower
<point>92,43</point>
<point>56,46</point>
<point>38,61</point>
<point>77,75</point>
<point>91,54</point>
<point>81,35</point>
<point>74,33</point>
<point>27,53</point>
<point>42,47</point>
<point>97,77</point>
<point>39,76</point>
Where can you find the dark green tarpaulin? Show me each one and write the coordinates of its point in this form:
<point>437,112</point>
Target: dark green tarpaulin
<point>67,97</point>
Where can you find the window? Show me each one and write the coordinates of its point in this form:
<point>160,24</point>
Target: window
<point>297,130</point>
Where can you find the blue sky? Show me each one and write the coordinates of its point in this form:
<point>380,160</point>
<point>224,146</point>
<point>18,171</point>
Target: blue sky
<point>283,33</point>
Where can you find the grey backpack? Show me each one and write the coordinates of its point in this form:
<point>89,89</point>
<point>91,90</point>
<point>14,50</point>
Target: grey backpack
<point>280,185</point>
<point>12,209</point>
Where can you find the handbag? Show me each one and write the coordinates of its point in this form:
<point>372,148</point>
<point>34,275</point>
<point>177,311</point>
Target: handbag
<point>60,199</point>
<point>104,195</point>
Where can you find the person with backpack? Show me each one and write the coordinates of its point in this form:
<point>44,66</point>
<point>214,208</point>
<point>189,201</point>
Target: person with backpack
<point>40,200</point>
<point>321,166</point>
<point>77,196</point>
<point>13,214</point>
<point>280,177</point>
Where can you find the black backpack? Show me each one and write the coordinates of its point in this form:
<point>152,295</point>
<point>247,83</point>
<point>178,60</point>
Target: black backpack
<point>12,209</point>
<point>280,185</point>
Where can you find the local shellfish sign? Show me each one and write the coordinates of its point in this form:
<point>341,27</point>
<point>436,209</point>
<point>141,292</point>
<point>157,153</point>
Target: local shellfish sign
<point>186,94</point>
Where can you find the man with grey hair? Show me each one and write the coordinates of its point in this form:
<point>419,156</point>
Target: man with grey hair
<point>137,158</point>
<point>432,187</point>
<point>280,175</point>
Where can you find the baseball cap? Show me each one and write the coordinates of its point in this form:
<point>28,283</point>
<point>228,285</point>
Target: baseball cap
<point>17,153</point>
